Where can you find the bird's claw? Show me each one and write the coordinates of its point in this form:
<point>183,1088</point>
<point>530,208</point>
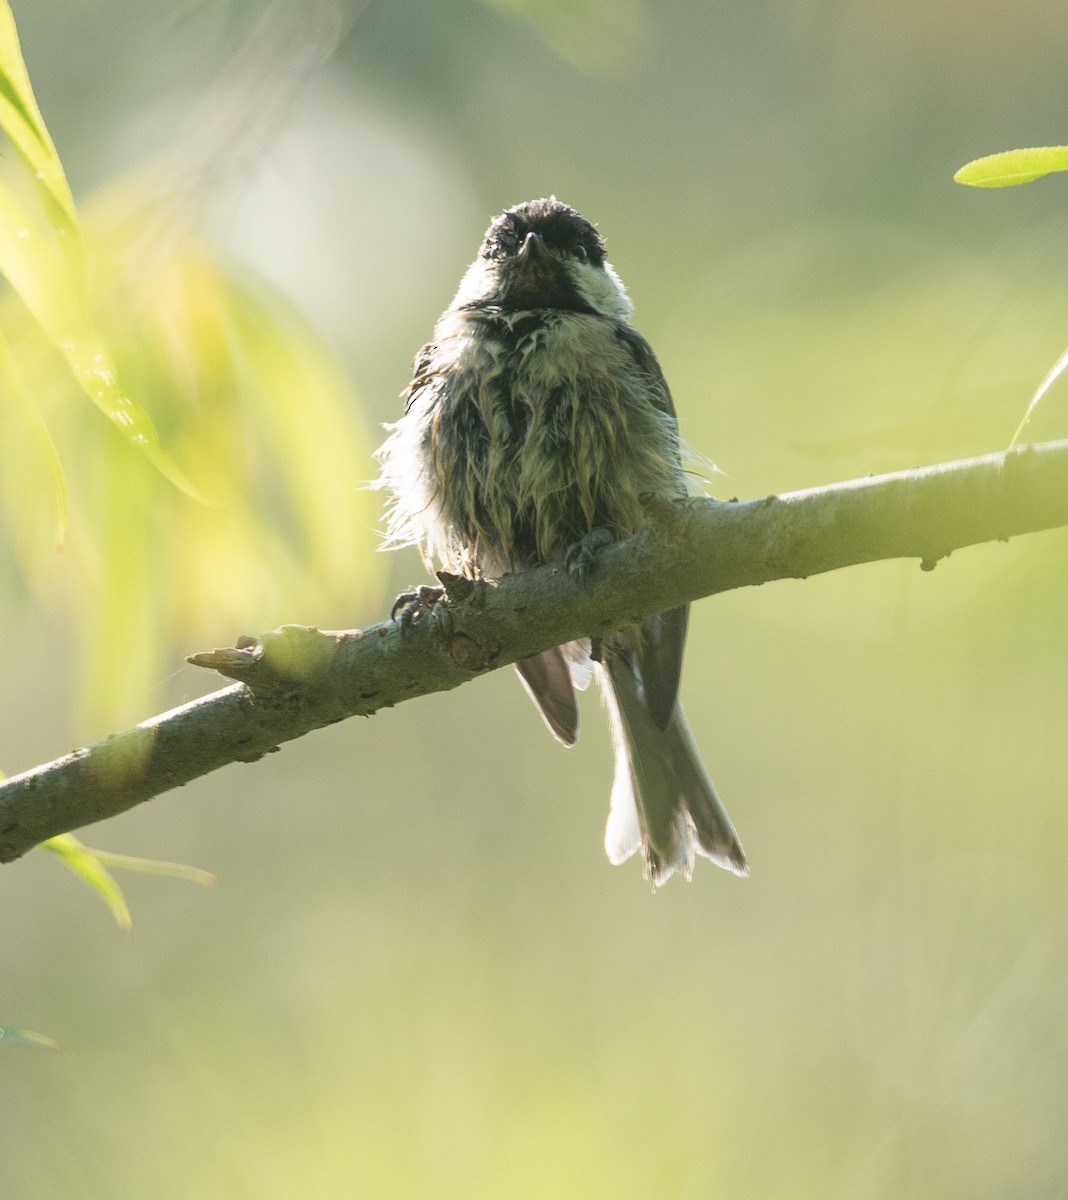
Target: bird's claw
<point>415,604</point>
<point>580,555</point>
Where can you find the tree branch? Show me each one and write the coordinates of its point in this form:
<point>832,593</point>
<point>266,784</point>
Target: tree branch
<point>296,679</point>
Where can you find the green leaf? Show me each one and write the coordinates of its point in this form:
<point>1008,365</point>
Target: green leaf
<point>88,867</point>
<point>1013,166</point>
<point>91,866</point>
<point>21,120</point>
<point>52,286</point>
<point>154,866</point>
<point>27,1037</point>
<point>54,300</point>
<point>1052,376</point>
<point>11,385</point>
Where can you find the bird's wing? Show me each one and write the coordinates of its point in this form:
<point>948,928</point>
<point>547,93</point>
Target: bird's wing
<point>547,678</point>
<point>646,360</point>
<point>659,659</point>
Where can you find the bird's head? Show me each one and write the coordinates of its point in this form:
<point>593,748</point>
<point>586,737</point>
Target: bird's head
<point>543,255</point>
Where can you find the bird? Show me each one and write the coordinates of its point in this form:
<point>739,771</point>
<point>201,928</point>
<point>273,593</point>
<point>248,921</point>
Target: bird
<point>537,426</point>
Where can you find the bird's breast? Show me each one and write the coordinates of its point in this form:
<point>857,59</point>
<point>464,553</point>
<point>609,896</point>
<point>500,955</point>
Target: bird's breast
<point>545,428</point>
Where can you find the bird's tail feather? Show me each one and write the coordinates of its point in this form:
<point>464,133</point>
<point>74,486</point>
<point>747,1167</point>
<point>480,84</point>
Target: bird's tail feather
<point>663,801</point>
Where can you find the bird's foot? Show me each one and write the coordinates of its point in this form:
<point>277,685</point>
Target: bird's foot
<point>579,556</point>
<point>410,606</point>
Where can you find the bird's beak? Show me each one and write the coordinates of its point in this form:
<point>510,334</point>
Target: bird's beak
<point>534,280</point>
<point>533,247</point>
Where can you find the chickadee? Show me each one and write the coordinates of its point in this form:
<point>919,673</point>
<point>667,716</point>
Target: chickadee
<point>536,422</point>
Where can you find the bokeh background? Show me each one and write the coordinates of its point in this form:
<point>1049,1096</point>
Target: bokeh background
<point>418,975</point>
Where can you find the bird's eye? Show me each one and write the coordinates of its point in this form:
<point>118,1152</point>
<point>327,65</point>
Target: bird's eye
<point>509,242</point>
<point>581,253</point>
<point>501,243</point>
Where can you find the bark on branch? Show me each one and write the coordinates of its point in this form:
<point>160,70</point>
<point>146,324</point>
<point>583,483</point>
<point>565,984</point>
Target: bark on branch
<point>296,679</point>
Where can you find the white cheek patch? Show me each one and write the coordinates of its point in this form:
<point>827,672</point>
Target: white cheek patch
<point>602,289</point>
<point>479,283</point>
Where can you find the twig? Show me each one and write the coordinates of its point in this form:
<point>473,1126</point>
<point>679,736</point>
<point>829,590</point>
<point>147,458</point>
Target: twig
<point>296,679</point>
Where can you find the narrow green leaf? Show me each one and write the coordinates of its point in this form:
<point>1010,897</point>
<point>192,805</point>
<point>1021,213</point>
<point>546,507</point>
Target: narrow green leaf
<point>49,293</point>
<point>21,120</point>
<point>27,1037</point>
<point>85,864</point>
<point>56,298</point>
<point>1013,166</point>
<point>91,866</point>
<point>303,393</point>
<point>154,866</point>
<point>12,386</point>
<point>1052,376</point>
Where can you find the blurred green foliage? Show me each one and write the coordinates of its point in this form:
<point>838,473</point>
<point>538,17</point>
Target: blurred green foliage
<point>418,974</point>
<point>44,264</point>
<point>248,398</point>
